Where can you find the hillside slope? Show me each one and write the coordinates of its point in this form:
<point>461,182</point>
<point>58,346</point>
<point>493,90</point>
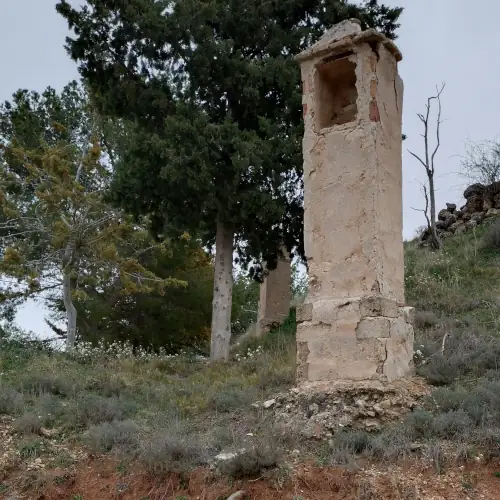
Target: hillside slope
<point>106,424</point>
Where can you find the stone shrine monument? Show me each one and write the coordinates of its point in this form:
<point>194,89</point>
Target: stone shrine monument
<point>275,296</point>
<point>353,325</point>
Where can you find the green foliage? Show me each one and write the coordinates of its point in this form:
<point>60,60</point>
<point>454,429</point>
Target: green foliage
<point>215,95</point>
<point>491,238</point>
<point>245,304</point>
<point>28,423</point>
<point>176,318</point>
<point>11,401</point>
<point>169,451</point>
<point>119,437</point>
<point>58,226</point>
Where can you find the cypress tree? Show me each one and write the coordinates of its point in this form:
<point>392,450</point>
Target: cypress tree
<point>213,97</point>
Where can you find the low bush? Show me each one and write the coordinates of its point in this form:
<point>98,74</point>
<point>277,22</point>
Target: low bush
<point>491,238</point>
<point>11,401</point>
<point>229,399</point>
<point>172,451</point>
<point>451,424</point>
<point>251,463</point>
<point>425,320</point>
<point>465,355</point>
<point>28,423</point>
<point>47,383</point>
<point>90,409</point>
<point>118,437</point>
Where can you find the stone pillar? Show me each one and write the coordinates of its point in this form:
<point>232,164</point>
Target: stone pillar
<point>275,296</point>
<point>353,324</point>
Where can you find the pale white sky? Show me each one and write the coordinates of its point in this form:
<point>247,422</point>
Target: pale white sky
<point>441,40</point>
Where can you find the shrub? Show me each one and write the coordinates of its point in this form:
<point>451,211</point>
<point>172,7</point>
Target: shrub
<point>119,437</point>
<point>451,424</point>
<point>420,423</point>
<point>491,238</point>
<point>170,451</point>
<point>346,445</point>
<point>467,354</point>
<point>91,409</point>
<point>393,443</point>
<point>425,320</point>
<point>28,424</point>
<point>11,401</point>
<point>250,463</point>
<point>106,384</point>
<point>227,399</point>
<point>445,399</point>
<point>31,449</point>
<point>49,408</point>
<point>47,383</point>
<point>276,377</point>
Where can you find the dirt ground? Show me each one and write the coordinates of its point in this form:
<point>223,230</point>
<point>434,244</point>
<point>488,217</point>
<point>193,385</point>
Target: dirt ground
<point>102,478</point>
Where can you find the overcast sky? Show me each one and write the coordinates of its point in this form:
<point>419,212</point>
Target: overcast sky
<point>441,40</point>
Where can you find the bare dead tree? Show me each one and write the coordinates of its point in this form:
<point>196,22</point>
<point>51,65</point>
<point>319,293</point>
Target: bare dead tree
<point>481,161</point>
<point>425,210</point>
<point>428,162</point>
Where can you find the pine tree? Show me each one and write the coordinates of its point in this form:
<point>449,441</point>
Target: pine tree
<point>214,96</point>
<point>57,227</point>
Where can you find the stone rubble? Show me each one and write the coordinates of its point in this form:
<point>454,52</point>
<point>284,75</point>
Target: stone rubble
<point>482,203</point>
<point>318,411</point>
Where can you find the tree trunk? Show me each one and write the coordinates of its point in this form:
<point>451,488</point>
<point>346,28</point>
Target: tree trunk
<point>70,311</point>
<point>223,294</point>
<point>435,240</point>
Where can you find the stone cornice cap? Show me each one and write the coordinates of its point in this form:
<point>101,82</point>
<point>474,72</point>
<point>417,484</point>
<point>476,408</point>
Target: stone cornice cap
<point>343,36</point>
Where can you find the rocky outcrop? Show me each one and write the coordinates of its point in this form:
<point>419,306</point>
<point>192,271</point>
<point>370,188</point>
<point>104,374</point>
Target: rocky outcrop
<point>482,202</point>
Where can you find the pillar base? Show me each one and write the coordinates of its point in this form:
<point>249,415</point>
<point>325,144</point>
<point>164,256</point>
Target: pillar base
<point>357,338</point>
<point>319,410</point>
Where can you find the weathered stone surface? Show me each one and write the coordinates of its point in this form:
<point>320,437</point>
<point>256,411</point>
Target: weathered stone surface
<point>487,204</point>
<point>441,224</point>
<point>478,217</point>
<point>373,328</point>
<point>398,329</point>
<point>352,102</point>
<point>335,342</point>
<point>493,212</point>
<point>304,312</point>
<point>456,227</point>
<point>482,202</point>
<point>399,359</point>
<point>496,201</point>
<point>474,190</point>
<point>475,203</point>
<point>444,214</point>
<point>409,314</point>
<point>378,306</point>
<point>275,296</point>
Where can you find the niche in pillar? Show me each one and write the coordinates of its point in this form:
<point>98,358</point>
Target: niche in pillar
<point>336,93</point>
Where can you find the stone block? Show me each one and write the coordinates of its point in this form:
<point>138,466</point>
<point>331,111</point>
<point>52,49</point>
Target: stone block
<point>348,361</point>
<point>399,360</point>
<point>304,313</point>
<point>378,306</point>
<point>398,328</point>
<point>373,328</point>
<point>409,314</point>
<point>324,311</point>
